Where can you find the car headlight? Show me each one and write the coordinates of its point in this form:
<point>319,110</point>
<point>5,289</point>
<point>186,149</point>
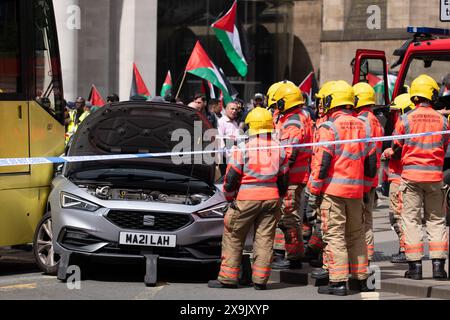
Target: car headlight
<point>69,201</point>
<point>215,212</point>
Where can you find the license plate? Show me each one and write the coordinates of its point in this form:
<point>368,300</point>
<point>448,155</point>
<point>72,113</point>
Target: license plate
<point>148,239</point>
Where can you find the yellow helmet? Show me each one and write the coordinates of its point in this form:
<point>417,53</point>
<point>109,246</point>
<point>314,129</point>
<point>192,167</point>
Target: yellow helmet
<point>425,87</point>
<point>259,121</point>
<point>323,92</point>
<point>403,103</point>
<point>364,95</point>
<point>284,95</point>
<point>340,93</point>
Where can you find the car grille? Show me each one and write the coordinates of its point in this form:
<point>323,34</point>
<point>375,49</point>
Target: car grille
<point>161,222</point>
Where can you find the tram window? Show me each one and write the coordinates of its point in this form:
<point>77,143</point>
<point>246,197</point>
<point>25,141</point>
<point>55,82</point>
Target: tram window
<point>10,73</point>
<point>48,93</point>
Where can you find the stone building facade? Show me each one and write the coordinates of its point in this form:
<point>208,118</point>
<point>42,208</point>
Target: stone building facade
<point>287,38</point>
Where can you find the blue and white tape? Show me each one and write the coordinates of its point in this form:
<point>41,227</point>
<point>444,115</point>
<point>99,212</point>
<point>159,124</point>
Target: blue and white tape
<point>7,162</point>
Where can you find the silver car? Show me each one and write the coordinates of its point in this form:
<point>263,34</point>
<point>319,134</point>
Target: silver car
<point>143,208</point>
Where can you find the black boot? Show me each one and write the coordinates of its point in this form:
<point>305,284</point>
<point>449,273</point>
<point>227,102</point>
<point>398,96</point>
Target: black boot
<point>415,270</point>
<point>439,269</point>
<point>399,258</point>
<point>335,288</point>
<point>320,274</point>
<point>220,285</point>
<point>363,286</point>
<point>258,286</point>
<point>280,263</point>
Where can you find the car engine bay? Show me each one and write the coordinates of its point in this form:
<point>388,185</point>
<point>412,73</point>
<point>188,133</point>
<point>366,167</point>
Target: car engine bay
<point>106,192</point>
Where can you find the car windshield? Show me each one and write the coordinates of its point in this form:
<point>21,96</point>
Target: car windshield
<point>436,66</point>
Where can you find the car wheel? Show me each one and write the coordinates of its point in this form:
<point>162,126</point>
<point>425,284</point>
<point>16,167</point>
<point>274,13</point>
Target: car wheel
<point>46,259</point>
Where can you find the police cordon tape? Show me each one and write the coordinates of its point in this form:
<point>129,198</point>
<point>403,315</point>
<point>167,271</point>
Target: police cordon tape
<point>7,162</point>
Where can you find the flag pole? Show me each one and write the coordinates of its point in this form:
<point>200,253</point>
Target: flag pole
<point>181,85</point>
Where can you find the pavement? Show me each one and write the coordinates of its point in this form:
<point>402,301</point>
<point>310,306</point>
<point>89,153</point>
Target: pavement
<point>20,279</point>
<point>392,275</point>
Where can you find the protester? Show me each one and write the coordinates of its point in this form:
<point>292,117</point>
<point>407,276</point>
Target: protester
<point>199,103</point>
<point>228,129</point>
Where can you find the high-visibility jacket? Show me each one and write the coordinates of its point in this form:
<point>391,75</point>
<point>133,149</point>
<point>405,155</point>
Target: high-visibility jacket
<point>319,121</point>
<point>291,128</point>
<point>343,170</point>
<point>394,171</point>
<point>84,116</point>
<point>373,130</point>
<point>422,157</point>
<point>257,174</point>
<point>75,120</point>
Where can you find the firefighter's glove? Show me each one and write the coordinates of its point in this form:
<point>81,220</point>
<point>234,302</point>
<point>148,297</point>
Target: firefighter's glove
<point>387,154</point>
<point>313,200</point>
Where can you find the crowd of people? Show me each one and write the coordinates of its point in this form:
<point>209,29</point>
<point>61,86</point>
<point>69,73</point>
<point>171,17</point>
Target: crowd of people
<point>339,182</point>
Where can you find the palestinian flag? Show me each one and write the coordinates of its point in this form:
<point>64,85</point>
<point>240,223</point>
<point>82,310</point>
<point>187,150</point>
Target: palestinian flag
<point>139,90</point>
<point>307,86</point>
<point>212,93</point>
<point>208,89</point>
<point>227,32</point>
<point>167,85</point>
<point>377,83</point>
<point>95,98</point>
<point>200,65</point>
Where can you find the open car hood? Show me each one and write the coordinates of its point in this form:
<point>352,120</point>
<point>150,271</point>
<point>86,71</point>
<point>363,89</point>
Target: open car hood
<point>141,127</point>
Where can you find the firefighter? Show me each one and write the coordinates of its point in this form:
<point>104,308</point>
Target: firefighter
<point>341,175</point>
<point>421,185</point>
<point>315,244</point>
<point>401,105</point>
<point>364,104</point>
<point>256,178</point>
<point>293,126</point>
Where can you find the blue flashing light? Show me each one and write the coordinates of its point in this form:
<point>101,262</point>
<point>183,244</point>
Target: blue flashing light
<point>430,31</point>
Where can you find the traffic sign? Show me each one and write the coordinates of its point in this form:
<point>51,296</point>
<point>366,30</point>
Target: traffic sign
<point>445,10</point>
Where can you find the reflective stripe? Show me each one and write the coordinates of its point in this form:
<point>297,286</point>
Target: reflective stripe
<point>330,125</point>
<point>424,168</point>
<point>258,176</point>
<point>368,128</point>
<point>394,176</point>
<point>352,182</point>
<point>406,122</point>
<point>423,145</point>
<point>356,156</point>
<point>288,142</point>
<point>293,122</point>
<point>258,184</point>
<point>439,248</point>
<point>419,245</point>
<point>261,268</point>
<point>260,274</point>
<point>228,272</point>
<point>315,184</point>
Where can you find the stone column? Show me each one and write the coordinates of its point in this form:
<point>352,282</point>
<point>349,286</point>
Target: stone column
<point>126,47</point>
<point>138,35</point>
<point>146,42</point>
<point>66,12</point>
